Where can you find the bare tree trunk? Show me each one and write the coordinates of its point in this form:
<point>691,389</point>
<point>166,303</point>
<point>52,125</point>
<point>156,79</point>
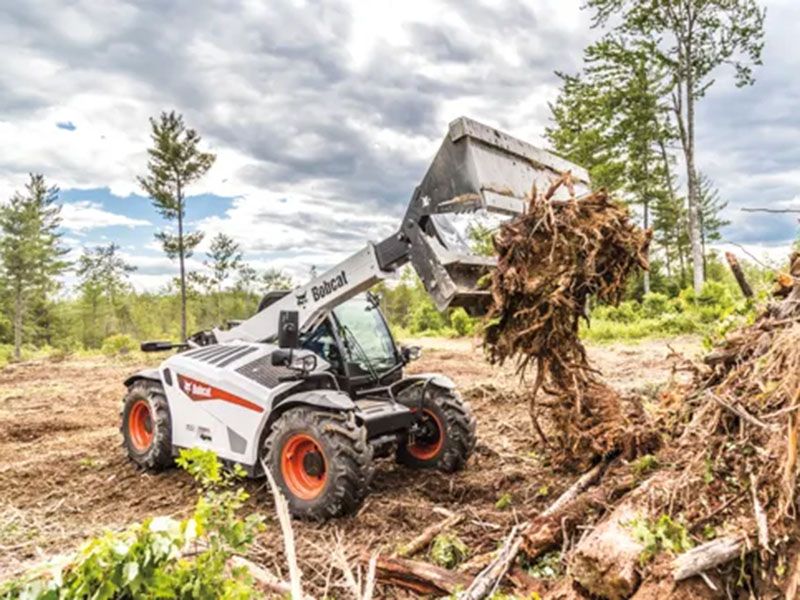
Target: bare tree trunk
<point>691,171</point>
<point>668,262</point>
<point>646,274</point>
<point>18,321</point>
<point>703,246</point>
<point>181,260</point>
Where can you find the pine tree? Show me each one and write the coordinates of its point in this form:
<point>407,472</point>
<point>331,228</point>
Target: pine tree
<point>612,118</point>
<point>224,258</point>
<point>103,281</point>
<point>582,131</point>
<point>175,163</point>
<point>31,253</point>
<point>711,224</point>
<point>691,38</point>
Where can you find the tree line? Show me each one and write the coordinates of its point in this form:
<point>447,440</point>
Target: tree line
<point>33,259</point>
<point>629,116</point>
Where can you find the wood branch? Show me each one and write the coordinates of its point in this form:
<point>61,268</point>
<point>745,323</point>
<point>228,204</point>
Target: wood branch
<point>761,516</point>
<point>285,520</point>
<point>771,210</point>
<point>740,412</point>
<point>264,578</point>
<point>488,579</point>
<point>707,556</point>
<point>423,539</point>
<point>584,482</point>
<point>536,536</point>
<point>419,577</point>
<point>738,273</point>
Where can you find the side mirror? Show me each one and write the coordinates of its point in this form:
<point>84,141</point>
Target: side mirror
<point>284,357</point>
<point>409,353</point>
<point>288,329</point>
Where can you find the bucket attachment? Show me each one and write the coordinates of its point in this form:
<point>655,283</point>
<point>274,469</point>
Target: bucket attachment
<point>476,168</point>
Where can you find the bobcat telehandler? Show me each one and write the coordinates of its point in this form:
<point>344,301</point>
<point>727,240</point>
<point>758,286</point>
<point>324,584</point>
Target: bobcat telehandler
<point>313,383</point>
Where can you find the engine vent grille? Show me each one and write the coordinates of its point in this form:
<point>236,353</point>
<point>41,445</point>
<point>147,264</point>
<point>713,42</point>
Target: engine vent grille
<point>263,372</point>
<point>220,355</point>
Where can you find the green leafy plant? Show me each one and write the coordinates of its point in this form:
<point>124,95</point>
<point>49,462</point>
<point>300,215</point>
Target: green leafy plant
<point>504,501</point>
<point>118,345</point>
<point>448,550</point>
<point>660,535</point>
<point>160,557</point>
<point>547,566</point>
<point>644,464</point>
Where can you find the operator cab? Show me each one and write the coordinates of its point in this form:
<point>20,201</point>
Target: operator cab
<point>355,339</point>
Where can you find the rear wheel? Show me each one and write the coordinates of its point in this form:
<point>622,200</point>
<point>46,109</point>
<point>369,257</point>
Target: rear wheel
<point>443,436</point>
<point>321,461</point>
<point>146,427</point>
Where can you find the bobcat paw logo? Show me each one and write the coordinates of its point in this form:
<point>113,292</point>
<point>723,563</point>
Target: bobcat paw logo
<point>302,299</point>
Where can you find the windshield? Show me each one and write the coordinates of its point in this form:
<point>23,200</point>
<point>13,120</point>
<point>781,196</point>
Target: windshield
<point>364,322</point>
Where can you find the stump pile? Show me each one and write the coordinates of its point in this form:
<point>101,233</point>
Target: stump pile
<point>550,262</point>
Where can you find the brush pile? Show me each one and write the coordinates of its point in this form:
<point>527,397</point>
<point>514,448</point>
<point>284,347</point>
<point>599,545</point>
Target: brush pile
<point>719,499</point>
<point>551,261</point>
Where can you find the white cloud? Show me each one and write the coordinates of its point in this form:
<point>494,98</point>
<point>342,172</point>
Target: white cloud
<point>85,215</point>
<point>334,106</point>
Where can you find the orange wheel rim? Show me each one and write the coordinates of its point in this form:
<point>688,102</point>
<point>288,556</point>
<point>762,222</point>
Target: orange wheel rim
<point>140,425</point>
<point>303,466</point>
<point>427,445</point>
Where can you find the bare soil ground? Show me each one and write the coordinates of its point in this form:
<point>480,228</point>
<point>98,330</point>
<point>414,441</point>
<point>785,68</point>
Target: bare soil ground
<point>64,476</point>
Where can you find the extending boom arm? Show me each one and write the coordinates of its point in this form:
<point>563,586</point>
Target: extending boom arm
<point>476,168</point>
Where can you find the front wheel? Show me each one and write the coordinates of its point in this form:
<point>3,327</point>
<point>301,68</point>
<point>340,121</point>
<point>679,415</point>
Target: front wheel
<point>321,461</point>
<point>443,436</point>
<point>146,426</point>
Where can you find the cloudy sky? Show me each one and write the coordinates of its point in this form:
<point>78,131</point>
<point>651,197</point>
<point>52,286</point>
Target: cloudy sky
<point>324,115</point>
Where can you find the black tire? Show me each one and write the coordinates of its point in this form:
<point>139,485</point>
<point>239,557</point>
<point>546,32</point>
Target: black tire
<point>340,480</point>
<point>153,451</point>
<point>446,434</point>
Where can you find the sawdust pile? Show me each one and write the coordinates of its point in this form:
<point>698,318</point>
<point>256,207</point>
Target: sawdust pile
<point>551,261</point>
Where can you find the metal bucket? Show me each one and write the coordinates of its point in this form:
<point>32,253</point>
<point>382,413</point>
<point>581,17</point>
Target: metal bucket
<point>476,168</point>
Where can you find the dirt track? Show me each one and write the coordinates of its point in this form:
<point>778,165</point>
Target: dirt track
<point>63,475</point>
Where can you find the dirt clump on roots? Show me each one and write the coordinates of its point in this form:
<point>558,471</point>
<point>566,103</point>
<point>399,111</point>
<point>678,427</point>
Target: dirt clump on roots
<point>550,261</point>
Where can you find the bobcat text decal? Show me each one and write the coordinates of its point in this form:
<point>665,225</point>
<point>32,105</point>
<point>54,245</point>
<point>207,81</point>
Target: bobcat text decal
<point>329,286</point>
<point>199,391</point>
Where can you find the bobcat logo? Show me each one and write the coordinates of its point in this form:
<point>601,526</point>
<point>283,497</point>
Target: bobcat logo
<point>302,299</point>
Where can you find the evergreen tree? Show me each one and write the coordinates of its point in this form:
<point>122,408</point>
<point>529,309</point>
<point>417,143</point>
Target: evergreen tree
<point>612,119</point>
<point>275,279</point>
<point>31,253</point>
<point>711,223</point>
<point>691,38</point>
<point>224,259</point>
<point>103,282</point>
<point>582,132</point>
<point>175,163</point>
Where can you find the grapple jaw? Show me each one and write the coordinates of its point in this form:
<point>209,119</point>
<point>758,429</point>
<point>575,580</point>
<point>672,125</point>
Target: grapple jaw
<point>476,168</point>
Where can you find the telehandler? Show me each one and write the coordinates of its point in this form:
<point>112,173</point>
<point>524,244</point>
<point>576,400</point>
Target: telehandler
<point>313,383</point>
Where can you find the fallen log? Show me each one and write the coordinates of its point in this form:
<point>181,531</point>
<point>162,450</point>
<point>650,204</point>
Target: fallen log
<point>419,577</point>
<point>606,562</point>
<point>707,556</point>
<point>739,275</point>
<point>536,536</point>
<point>423,539</point>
